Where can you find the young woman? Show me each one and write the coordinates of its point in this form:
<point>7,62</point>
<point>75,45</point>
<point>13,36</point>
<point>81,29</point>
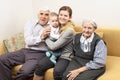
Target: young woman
<point>64,42</point>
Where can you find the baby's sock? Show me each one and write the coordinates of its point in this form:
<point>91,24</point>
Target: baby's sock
<point>53,59</point>
<point>48,54</point>
<point>51,56</point>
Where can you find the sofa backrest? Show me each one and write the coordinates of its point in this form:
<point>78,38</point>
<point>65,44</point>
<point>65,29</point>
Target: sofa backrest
<point>110,36</point>
<point>112,39</point>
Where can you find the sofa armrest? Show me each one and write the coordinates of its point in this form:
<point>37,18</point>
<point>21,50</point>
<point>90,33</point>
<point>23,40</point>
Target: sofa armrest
<point>2,50</point>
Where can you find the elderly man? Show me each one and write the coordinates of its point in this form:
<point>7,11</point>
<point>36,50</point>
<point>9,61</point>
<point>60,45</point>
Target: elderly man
<point>35,48</point>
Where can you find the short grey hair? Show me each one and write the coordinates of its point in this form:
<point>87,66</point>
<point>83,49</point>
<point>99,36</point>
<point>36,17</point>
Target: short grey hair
<point>44,8</point>
<point>91,22</point>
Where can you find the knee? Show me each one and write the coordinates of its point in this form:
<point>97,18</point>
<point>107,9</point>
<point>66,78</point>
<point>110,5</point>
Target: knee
<point>57,72</point>
<point>40,70</point>
<point>40,67</point>
<point>3,59</point>
<point>25,73</point>
<point>57,75</point>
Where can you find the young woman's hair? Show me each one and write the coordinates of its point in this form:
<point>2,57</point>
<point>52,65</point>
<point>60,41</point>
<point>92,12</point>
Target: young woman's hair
<point>66,8</point>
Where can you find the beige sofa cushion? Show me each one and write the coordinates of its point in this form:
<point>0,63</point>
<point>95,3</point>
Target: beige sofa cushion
<point>112,72</point>
<point>112,39</point>
<point>49,74</point>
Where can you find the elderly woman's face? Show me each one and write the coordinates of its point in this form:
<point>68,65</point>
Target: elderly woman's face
<point>88,29</point>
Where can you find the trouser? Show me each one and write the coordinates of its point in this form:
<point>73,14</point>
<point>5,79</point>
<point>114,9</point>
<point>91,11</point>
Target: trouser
<point>91,74</point>
<point>45,64</point>
<point>27,57</point>
<point>42,66</point>
<point>59,68</point>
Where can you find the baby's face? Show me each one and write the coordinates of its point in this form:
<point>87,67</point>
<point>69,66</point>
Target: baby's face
<point>54,21</point>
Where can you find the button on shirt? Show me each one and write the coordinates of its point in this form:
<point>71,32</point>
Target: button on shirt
<point>32,33</point>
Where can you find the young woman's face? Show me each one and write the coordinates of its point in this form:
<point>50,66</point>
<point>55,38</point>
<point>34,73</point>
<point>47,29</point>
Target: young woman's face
<point>88,29</point>
<point>64,17</point>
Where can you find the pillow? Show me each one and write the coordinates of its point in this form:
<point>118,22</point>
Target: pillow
<point>15,42</point>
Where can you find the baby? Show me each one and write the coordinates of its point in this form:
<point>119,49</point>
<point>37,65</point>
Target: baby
<point>54,35</point>
<point>54,24</point>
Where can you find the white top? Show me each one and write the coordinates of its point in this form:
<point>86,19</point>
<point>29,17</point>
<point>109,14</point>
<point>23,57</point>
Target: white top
<point>32,32</point>
<point>55,33</point>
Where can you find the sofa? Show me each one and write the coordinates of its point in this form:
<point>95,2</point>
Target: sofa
<point>109,34</point>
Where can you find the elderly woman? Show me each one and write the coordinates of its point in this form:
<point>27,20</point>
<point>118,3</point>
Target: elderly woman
<point>90,54</point>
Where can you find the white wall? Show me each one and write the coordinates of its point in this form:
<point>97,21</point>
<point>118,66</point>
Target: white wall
<point>105,12</point>
<point>15,13</point>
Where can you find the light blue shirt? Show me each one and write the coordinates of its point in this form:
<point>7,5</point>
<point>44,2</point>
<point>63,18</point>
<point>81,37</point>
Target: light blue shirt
<point>99,59</point>
<point>32,33</point>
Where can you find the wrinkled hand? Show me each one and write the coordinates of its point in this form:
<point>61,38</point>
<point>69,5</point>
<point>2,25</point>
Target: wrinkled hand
<point>45,33</point>
<point>72,75</point>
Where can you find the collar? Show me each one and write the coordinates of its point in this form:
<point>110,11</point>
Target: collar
<point>83,39</point>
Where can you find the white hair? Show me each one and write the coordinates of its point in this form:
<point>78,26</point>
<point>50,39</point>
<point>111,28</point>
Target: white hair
<point>91,21</point>
<point>45,8</point>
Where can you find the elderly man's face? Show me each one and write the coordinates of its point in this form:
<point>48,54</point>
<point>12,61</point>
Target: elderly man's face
<point>43,17</point>
<point>88,29</point>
